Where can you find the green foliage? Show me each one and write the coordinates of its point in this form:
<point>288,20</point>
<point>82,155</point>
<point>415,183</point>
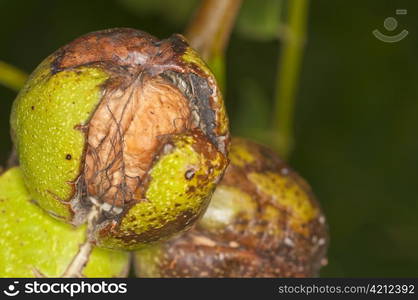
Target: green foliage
<point>172,11</point>
<point>260,20</point>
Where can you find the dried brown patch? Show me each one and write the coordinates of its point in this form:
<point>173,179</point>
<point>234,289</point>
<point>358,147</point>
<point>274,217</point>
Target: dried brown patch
<point>124,135</point>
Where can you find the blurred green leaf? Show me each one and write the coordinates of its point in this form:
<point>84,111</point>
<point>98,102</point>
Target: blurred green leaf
<point>260,19</point>
<point>251,114</point>
<point>12,77</point>
<point>172,11</point>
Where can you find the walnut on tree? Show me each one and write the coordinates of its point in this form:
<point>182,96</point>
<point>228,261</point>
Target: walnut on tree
<point>126,123</point>
<point>263,221</point>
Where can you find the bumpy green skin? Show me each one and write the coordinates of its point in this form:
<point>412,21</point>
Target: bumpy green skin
<point>174,200</point>
<point>262,221</point>
<point>44,123</point>
<point>31,239</point>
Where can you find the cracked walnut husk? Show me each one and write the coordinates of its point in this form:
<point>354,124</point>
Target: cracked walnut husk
<point>120,120</point>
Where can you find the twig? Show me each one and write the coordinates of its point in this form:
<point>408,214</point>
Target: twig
<point>80,260</point>
<point>12,77</point>
<point>209,31</point>
<point>288,73</point>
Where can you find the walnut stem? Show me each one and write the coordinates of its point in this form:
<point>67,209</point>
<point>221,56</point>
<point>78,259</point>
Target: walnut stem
<point>209,31</point>
<point>80,260</point>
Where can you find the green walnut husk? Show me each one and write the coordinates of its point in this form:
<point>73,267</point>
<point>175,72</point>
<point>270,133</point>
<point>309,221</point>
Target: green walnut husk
<point>263,221</point>
<point>123,122</point>
<point>33,244</point>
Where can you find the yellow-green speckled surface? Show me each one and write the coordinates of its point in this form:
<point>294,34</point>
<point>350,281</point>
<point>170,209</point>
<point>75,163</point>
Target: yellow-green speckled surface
<point>29,238</point>
<point>284,190</point>
<point>239,154</point>
<point>180,196</point>
<point>51,106</point>
<point>288,194</point>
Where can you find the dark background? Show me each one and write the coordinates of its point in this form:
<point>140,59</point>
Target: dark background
<point>356,122</point>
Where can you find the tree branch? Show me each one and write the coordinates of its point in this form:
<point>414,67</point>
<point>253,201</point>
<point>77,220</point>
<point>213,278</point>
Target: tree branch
<point>209,32</point>
<point>80,260</point>
<point>293,37</point>
<point>12,77</point>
